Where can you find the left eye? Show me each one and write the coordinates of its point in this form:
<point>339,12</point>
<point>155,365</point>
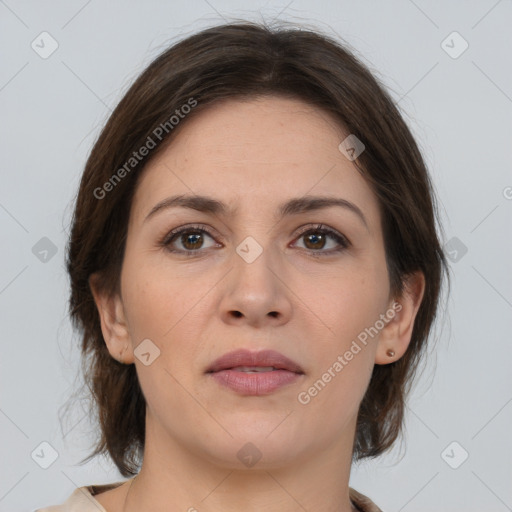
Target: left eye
<point>316,239</point>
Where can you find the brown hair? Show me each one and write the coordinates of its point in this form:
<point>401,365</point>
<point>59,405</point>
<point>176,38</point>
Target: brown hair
<point>234,61</point>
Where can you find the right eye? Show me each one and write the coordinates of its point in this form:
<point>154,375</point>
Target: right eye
<point>191,239</point>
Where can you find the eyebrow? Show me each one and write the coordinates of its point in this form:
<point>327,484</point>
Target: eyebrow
<point>294,206</point>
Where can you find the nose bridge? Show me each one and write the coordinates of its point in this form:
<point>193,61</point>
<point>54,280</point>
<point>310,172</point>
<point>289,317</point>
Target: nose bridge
<point>256,290</point>
<point>257,249</point>
<point>255,263</point>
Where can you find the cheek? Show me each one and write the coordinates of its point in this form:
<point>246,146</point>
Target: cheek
<point>170,308</point>
<point>345,343</point>
<point>164,309</point>
<point>346,301</point>
<point>334,397</point>
<point>344,351</point>
<point>156,299</point>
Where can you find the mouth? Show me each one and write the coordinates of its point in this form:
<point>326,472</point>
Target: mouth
<point>253,369</point>
<point>255,373</point>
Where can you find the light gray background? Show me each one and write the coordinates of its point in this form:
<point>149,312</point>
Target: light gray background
<point>460,109</point>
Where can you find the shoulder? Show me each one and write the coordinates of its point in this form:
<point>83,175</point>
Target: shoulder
<point>362,502</point>
<point>82,499</point>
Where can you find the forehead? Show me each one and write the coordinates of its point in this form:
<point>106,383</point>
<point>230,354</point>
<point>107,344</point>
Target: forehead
<point>255,153</point>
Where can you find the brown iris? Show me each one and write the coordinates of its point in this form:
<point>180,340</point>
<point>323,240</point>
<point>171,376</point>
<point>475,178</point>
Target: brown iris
<point>316,239</point>
<point>191,238</point>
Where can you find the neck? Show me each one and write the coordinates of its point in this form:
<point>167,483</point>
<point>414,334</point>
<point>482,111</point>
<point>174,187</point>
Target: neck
<point>192,484</point>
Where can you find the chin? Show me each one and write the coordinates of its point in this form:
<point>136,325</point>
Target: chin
<point>254,455</point>
<point>256,445</point>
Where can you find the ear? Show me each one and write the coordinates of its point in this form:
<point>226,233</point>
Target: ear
<point>396,335</point>
<point>113,322</point>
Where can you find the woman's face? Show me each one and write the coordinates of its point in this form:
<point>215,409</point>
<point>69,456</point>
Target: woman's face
<point>257,278</point>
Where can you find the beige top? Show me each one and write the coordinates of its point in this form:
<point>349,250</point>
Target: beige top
<point>82,500</point>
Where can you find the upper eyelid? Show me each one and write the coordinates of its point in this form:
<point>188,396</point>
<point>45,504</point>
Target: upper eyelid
<point>193,227</point>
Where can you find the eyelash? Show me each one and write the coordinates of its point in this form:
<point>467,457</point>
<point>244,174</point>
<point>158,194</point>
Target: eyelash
<point>318,228</point>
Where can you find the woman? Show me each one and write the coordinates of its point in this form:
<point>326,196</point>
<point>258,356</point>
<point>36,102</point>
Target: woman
<point>255,270</point>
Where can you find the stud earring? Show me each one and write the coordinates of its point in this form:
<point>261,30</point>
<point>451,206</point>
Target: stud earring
<point>390,353</point>
<point>120,358</point>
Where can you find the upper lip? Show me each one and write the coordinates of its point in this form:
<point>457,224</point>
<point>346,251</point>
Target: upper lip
<point>244,357</point>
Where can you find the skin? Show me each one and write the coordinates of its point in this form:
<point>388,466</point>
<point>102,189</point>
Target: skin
<point>252,155</point>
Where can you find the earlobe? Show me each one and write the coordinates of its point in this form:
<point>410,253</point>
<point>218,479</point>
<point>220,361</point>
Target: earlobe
<point>396,336</point>
<point>113,322</point>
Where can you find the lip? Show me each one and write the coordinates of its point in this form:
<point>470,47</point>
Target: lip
<point>254,384</point>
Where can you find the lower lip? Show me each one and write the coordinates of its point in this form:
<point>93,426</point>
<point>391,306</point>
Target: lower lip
<point>257,383</point>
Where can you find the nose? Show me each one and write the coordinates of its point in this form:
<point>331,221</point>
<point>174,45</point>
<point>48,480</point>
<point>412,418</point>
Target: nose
<point>256,292</point>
